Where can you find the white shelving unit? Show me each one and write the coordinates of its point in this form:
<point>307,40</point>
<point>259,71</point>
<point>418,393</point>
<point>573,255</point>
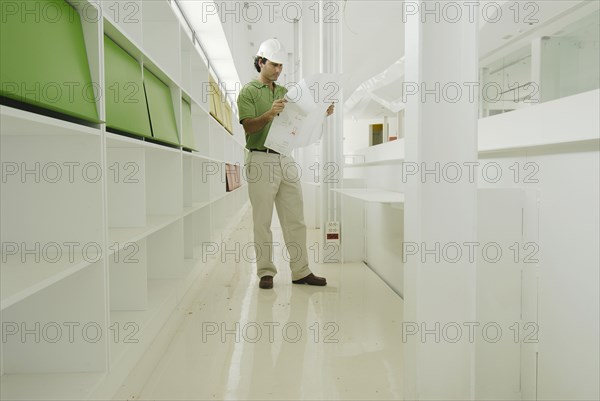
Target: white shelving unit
<point>102,233</point>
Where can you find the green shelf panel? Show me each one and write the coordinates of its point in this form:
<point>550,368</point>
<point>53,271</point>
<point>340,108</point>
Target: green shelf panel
<point>211,94</point>
<point>218,104</point>
<point>126,108</point>
<point>227,117</point>
<point>188,133</point>
<point>43,60</point>
<point>160,106</point>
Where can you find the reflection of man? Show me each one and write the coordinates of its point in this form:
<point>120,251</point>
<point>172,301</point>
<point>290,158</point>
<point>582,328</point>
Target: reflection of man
<point>259,103</point>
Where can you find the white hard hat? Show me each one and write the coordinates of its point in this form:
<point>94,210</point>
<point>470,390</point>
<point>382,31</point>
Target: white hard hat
<point>273,50</point>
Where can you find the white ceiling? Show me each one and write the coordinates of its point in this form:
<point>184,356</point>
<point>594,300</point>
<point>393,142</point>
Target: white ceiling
<point>373,36</point>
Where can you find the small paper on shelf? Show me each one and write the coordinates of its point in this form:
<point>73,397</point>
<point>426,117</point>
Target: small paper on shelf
<point>300,123</point>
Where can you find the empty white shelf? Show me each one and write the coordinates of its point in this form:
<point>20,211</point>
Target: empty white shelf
<point>20,280</point>
<point>120,141</point>
<point>21,122</point>
<point>124,236</point>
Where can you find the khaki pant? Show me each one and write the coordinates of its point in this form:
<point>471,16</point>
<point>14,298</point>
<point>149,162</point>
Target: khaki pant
<point>275,180</point>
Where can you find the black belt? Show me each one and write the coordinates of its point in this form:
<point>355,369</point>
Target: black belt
<point>264,150</point>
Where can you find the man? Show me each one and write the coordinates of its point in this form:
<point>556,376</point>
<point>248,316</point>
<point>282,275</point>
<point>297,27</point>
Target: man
<point>269,180</point>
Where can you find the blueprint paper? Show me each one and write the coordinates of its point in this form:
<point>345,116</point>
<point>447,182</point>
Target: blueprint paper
<point>300,123</point>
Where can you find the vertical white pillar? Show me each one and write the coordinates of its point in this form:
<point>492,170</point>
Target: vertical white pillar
<point>386,130</point>
<point>332,157</point>
<point>401,115</point>
<point>440,210</point>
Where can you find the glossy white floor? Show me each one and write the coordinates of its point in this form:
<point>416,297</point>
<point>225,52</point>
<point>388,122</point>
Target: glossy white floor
<point>236,341</point>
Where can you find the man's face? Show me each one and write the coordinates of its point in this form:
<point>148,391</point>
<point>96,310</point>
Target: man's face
<point>271,70</point>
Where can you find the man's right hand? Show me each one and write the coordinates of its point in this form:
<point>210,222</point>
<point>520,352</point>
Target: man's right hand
<point>277,107</point>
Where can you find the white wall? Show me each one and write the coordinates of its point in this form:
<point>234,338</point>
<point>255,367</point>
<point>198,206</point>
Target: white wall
<point>568,275</point>
<point>567,177</point>
<point>568,181</point>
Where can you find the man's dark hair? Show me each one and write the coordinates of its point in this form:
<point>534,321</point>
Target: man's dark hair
<point>256,60</point>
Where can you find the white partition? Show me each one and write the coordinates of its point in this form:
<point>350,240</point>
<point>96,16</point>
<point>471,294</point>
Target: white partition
<point>200,127</point>
<point>165,252</point>
<point>164,182</point>
<point>201,184</point>
<point>217,139</point>
<point>200,88</point>
<point>187,53</point>
<point>129,277</point>
<point>126,186</point>
<point>187,180</point>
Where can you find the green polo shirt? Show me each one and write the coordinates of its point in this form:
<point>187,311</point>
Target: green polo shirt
<point>254,100</point>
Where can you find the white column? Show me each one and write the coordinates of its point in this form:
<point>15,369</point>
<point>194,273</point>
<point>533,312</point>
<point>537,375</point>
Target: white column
<point>441,134</point>
<point>332,157</point>
<point>386,130</point>
<point>401,129</point>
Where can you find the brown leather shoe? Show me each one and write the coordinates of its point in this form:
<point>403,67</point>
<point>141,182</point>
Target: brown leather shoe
<point>266,282</point>
<point>311,279</point>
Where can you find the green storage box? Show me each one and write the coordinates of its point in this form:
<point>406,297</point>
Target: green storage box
<point>160,106</point>
<point>126,108</point>
<point>188,140</point>
<point>43,60</point>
